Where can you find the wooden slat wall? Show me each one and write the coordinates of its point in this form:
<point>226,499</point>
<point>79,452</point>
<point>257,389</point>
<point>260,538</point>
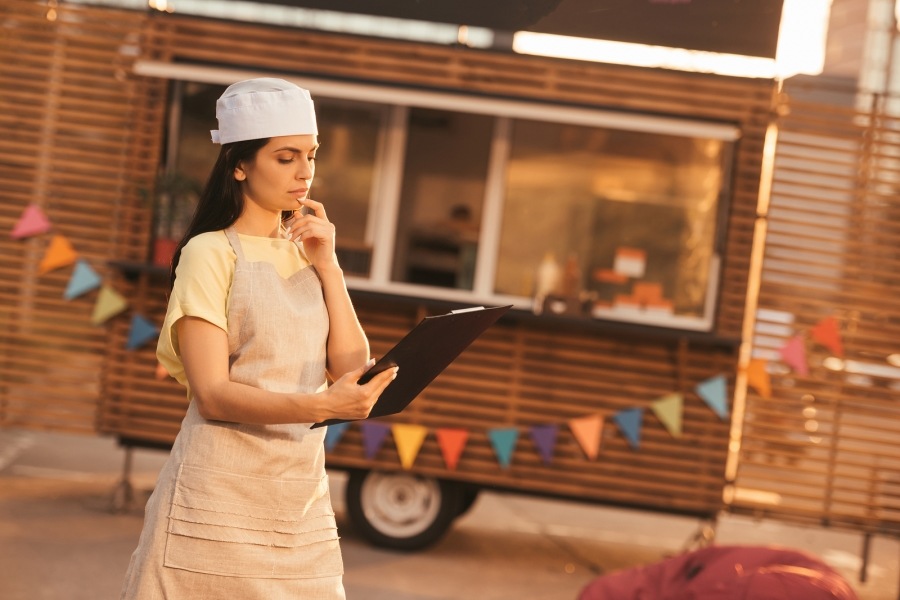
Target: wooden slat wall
<point>523,372</point>
<point>823,447</point>
<point>70,144</point>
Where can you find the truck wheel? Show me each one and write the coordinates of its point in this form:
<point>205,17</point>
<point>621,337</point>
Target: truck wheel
<point>399,510</point>
<point>467,497</point>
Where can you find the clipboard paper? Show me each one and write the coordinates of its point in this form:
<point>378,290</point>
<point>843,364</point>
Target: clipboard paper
<point>423,354</point>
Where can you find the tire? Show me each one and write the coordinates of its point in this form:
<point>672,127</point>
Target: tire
<point>401,511</point>
<point>467,497</point>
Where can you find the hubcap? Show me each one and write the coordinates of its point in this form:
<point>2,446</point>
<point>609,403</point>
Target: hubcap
<point>400,506</point>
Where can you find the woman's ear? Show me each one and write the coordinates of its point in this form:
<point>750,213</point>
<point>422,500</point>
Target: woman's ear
<point>239,174</point>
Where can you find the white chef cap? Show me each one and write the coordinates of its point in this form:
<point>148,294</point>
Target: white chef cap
<point>263,108</point>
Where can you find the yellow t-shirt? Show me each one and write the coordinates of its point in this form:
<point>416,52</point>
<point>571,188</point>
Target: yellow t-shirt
<point>203,284</point>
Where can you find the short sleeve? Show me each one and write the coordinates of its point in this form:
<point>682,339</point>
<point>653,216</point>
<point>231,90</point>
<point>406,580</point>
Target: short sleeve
<point>202,284</point>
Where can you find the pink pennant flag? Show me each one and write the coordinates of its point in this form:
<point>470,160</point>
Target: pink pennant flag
<point>32,222</point>
<point>452,443</point>
<point>794,354</point>
<point>587,431</point>
<point>827,333</point>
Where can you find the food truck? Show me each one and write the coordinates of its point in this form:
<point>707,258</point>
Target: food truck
<point>620,211</point>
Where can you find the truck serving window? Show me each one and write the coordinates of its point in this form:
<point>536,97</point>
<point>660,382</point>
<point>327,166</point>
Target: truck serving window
<point>560,210</point>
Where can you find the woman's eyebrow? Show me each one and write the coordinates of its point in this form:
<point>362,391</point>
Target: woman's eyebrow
<point>297,150</point>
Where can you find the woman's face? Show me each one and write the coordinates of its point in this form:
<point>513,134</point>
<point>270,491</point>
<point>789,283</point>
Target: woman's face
<point>280,173</point>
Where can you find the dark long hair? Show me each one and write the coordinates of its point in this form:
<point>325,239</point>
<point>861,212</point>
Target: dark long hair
<point>221,202</point>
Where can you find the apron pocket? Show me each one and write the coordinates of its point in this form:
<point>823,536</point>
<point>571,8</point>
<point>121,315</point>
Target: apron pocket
<point>249,526</point>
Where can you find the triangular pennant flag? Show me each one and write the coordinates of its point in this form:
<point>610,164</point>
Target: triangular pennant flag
<point>109,303</point>
<point>503,440</point>
<point>83,280</point>
<point>408,439</point>
<point>32,222</point>
<point>827,333</point>
<point>629,421</point>
<point>58,254</point>
<point>544,437</point>
<point>142,331</point>
<point>714,391</point>
<point>587,431</point>
<point>669,410</point>
<point>794,354</point>
<point>161,372</point>
<point>333,434</point>
<point>452,442</point>
<point>758,377</point>
<point>373,434</point>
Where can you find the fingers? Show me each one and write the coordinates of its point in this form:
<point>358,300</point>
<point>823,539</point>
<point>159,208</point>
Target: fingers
<point>383,379</point>
<point>316,208</point>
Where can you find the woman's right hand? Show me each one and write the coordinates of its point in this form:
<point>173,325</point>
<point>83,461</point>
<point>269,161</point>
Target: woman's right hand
<point>347,399</point>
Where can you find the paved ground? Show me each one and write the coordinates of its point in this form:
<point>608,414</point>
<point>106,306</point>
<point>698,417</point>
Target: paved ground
<point>60,541</point>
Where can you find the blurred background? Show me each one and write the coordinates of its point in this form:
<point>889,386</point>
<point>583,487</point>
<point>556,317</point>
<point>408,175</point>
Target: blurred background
<point>691,206</point>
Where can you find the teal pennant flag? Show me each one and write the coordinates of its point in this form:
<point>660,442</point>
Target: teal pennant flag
<point>503,440</point>
<point>83,280</point>
<point>713,391</point>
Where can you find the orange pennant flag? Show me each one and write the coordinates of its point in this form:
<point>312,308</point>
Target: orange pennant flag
<point>59,254</point>
<point>408,439</point>
<point>758,377</point>
<point>827,333</point>
<point>587,431</point>
<point>452,442</point>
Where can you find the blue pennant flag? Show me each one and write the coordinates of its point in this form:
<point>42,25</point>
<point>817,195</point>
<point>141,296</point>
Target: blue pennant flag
<point>333,434</point>
<point>83,280</point>
<point>629,422</point>
<point>141,332</point>
<point>544,437</point>
<point>713,391</point>
<point>503,440</point>
<point>373,434</point>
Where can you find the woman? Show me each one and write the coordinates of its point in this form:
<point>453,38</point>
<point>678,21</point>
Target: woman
<point>258,317</point>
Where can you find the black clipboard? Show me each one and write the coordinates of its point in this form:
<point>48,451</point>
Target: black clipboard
<point>423,354</point>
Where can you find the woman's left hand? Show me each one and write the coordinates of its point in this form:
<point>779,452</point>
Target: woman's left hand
<point>316,233</point>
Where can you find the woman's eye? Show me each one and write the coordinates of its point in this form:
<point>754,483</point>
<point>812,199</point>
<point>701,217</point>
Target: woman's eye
<point>310,158</point>
<point>285,161</point>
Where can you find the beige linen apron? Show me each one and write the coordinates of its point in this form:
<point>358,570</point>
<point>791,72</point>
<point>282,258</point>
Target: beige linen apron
<point>243,512</point>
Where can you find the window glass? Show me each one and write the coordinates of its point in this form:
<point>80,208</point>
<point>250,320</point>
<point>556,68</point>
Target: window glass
<point>441,198</point>
<point>609,223</point>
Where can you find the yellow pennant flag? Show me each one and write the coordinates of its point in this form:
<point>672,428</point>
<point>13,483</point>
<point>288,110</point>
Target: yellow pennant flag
<point>408,439</point>
<point>109,303</point>
<point>669,410</point>
<point>758,377</point>
<point>587,431</point>
<point>58,254</point>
